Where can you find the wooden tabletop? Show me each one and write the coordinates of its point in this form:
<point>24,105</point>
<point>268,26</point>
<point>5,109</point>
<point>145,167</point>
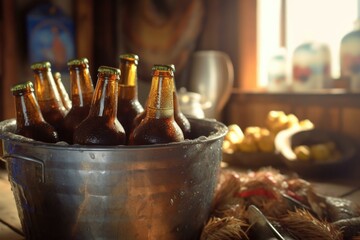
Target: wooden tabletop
<point>10,228</point>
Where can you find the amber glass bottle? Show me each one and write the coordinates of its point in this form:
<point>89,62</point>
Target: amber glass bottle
<point>180,118</point>
<point>101,126</point>
<point>81,95</point>
<point>29,120</point>
<point>48,96</point>
<point>159,125</point>
<point>62,91</point>
<point>128,104</point>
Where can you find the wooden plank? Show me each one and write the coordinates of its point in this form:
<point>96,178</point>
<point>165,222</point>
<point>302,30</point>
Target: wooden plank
<point>2,32</point>
<point>350,120</point>
<point>10,53</point>
<point>84,19</point>
<point>246,67</point>
<point>9,217</point>
<point>334,112</point>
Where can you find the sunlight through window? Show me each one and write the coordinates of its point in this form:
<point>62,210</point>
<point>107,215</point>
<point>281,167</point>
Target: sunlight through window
<point>320,21</point>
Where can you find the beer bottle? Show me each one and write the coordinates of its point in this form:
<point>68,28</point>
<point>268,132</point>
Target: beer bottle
<point>29,120</point>
<point>101,126</point>
<point>48,96</point>
<point>128,104</point>
<point>62,91</point>
<point>180,118</point>
<point>159,125</point>
<point>81,95</point>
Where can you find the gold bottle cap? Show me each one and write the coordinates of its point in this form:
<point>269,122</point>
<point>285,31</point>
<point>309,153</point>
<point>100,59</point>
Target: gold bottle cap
<point>57,75</point>
<point>130,57</point>
<point>29,86</point>
<point>40,65</point>
<point>159,67</point>
<point>109,70</point>
<point>79,61</point>
<point>173,67</point>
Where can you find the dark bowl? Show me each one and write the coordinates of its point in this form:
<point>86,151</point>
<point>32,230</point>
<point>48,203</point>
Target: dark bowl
<point>286,140</point>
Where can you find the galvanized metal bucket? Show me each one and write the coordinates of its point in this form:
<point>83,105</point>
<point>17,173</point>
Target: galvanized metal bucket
<point>139,192</point>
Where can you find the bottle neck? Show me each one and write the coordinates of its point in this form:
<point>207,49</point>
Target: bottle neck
<point>128,81</point>
<point>27,110</point>
<point>63,93</point>
<point>104,102</point>
<point>128,73</point>
<point>46,90</point>
<point>160,100</point>
<point>82,87</point>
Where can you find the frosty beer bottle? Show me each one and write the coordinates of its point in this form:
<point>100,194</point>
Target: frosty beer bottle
<point>29,120</point>
<point>101,126</point>
<point>81,95</point>
<point>159,125</point>
<point>48,96</point>
<point>180,118</point>
<point>128,104</point>
<point>62,91</point>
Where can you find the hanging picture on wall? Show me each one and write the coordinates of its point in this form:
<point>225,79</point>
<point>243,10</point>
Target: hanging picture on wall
<point>50,36</point>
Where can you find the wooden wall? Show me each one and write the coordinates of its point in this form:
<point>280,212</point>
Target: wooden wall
<point>338,112</point>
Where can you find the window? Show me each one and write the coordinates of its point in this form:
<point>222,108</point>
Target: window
<point>320,20</point>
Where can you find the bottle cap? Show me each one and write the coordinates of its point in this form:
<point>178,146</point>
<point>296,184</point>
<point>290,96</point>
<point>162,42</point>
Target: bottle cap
<point>130,57</point>
<point>170,67</point>
<point>160,67</point>
<point>23,86</point>
<point>57,75</point>
<point>79,61</point>
<point>173,67</point>
<point>109,70</point>
<point>40,65</point>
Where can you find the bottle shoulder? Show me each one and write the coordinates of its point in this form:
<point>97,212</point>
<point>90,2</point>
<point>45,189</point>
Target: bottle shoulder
<point>156,131</point>
<point>99,131</point>
<point>351,35</point>
<point>40,131</point>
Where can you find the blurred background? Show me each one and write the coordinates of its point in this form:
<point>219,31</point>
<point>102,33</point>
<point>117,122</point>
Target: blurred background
<point>297,56</point>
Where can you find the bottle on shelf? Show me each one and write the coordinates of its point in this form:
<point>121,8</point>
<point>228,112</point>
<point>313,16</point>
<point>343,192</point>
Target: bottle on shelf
<point>62,91</point>
<point>29,120</point>
<point>159,125</point>
<point>311,67</point>
<point>101,126</point>
<point>81,95</point>
<point>48,96</point>
<point>128,104</point>
<point>350,58</point>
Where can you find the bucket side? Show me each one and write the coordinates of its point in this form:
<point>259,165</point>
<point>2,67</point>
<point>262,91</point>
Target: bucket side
<point>151,193</point>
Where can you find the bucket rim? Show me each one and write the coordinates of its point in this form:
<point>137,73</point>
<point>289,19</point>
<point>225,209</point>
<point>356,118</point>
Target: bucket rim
<point>218,131</point>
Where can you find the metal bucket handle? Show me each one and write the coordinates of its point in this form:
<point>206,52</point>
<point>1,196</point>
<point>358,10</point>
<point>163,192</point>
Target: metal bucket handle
<point>12,156</point>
